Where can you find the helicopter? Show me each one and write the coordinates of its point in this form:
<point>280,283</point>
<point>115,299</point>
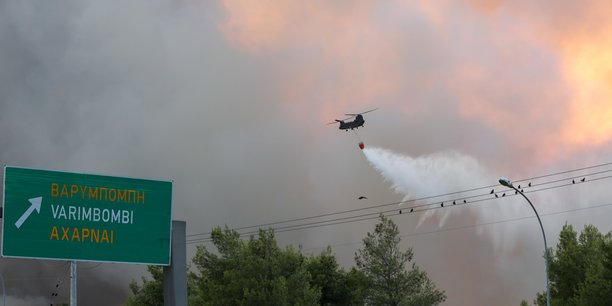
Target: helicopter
<point>358,122</point>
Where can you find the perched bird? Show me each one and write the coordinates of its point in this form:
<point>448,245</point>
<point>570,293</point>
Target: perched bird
<point>515,192</point>
<point>412,209</point>
<point>362,198</point>
<point>492,191</point>
<point>583,179</point>
<point>464,201</point>
<point>454,203</point>
<point>442,204</point>
<point>521,190</point>
<point>529,185</point>
<point>400,212</point>
<point>519,187</point>
<point>573,182</point>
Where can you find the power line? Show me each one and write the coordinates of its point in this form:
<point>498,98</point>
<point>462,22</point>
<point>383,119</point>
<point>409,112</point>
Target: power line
<point>420,207</point>
<point>475,225</point>
<point>374,215</point>
<point>419,199</point>
<point>56,290</point>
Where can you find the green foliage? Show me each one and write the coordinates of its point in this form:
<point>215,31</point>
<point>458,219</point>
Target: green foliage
<point>256,271</point>
<point>524,303</point>
<point>384,265</point>
<point>151,293</point>
<point>580,269</point>
<point>252,272</point>
<point>357,285</point>
<point>338,287</point>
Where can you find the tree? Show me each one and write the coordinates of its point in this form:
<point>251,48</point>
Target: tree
<point>337,286</point>
<point>257,271</point>
<point>524,303</point>
<point>358,284</point>
<point>580,269</point>
<point>151,293</point>
<point>252,272</point>
<point>384,264</point>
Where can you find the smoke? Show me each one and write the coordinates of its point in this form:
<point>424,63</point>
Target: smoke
<point>33,282</point>
<point>232,106</point>
<point>145,89</point>
<point>27,301</point>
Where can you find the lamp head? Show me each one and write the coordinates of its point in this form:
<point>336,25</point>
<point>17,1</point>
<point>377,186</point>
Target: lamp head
<point>505,182</point>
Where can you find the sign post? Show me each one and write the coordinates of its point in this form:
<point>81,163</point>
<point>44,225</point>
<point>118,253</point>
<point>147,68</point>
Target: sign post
<point>85,217</point>
<point>73,283</point>
<point>175,275</point>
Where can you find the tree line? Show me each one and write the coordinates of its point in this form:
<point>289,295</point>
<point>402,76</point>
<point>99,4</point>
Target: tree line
<point>257,271</point>
<point>580,269</point>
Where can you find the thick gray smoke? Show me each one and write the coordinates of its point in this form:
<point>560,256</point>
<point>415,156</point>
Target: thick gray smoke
<point>115,89</point>
<point>151,90</point>
<point>233,107</point>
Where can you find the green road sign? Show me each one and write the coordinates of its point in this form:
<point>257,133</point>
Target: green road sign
<point>71,216</point>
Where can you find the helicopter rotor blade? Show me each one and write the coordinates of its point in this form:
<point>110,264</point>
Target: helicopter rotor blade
<point>370,110</point>
<point>336,121</point>
<point>353,115</point>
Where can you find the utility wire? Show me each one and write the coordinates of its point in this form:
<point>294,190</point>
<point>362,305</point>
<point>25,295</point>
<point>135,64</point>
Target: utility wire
<point>55,291</point>
<point>450,229</point>
<point>415,208</point>
<point>415,200</point>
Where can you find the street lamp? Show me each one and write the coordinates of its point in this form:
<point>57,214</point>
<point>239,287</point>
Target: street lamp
<point>506,182</point>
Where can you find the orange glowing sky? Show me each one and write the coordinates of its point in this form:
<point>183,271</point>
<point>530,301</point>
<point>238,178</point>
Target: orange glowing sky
<point>492,54</point>
<point>588,67</point>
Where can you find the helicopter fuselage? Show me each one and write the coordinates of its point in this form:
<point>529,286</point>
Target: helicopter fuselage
<point>358,122</point>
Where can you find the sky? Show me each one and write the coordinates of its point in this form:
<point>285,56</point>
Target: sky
<point>231,100</point>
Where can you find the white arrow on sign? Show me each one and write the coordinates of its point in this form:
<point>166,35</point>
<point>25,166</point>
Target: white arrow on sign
<point>35,205</point>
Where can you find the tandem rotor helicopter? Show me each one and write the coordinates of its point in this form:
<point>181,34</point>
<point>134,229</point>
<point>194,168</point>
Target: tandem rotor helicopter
<point>350,125</point>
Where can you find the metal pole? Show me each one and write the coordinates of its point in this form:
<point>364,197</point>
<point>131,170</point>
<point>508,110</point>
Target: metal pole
<point>73,283</point>
<point>175,275</point>
<point>545,244</point>
<point>508,183</point>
